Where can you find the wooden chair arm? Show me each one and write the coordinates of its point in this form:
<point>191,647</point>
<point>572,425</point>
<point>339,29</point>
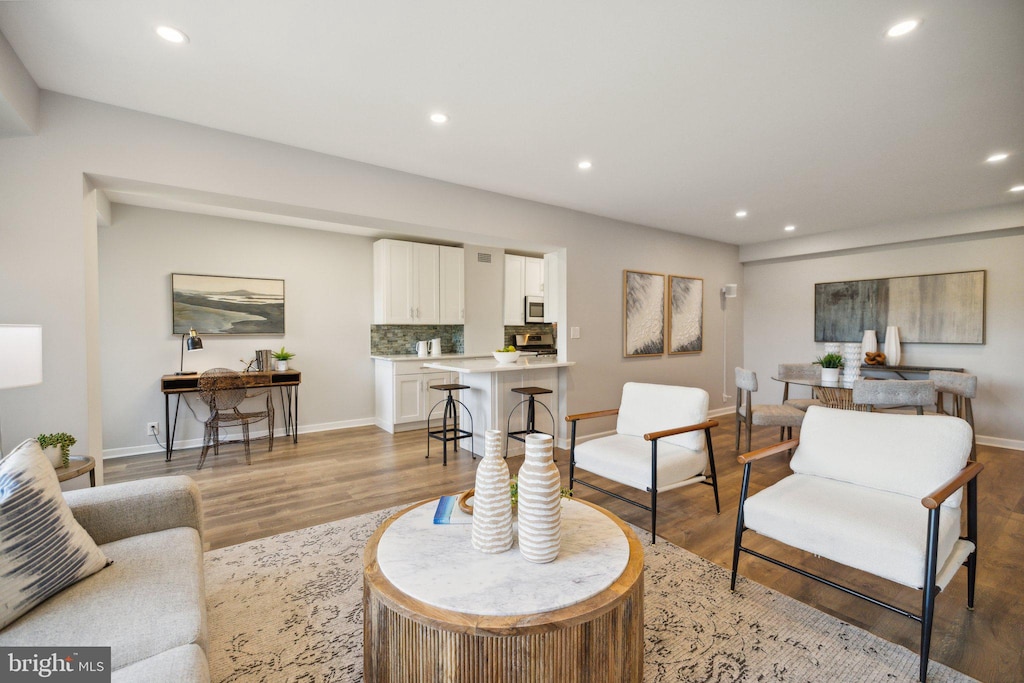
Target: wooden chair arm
<point>935,499</point>
<point>653,436</point>
<point>587,416</point>
<point>765,452</point>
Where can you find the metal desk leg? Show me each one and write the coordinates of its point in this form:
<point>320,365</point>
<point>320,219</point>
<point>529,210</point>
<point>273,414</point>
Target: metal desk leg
<point>172,426</point>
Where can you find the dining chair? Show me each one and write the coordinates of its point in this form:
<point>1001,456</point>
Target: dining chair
<point>962,388</point>
<point>223,390</point>
<point>762,415</point>
<point>799,371</point>
<point>893,395</point>
<point>658,444</point>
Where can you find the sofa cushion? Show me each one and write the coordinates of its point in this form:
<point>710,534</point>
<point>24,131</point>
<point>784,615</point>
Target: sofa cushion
<point>150,600</point>
<point>908,454</point>
<point>184,664</point>
<point>653,407</point>
<point>627,459</point>
<point>882,533</point>
<point>42,548</point>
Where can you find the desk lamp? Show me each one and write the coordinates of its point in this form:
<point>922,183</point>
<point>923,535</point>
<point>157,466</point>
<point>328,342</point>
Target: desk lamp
<point>194,344</point>
<point>22,348</point>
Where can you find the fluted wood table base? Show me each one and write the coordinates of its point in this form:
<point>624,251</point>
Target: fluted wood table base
<point>597,640</point>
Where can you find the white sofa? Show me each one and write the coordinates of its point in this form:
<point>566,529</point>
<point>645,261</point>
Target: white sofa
<point>149,606</point>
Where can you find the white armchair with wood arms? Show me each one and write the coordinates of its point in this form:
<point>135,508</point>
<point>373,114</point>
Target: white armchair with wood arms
<point>662,441</point>
<point>877,492</point>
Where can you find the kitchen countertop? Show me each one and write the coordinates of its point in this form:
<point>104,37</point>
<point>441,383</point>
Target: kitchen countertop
<point>487,365</point>
<point>426,359</point>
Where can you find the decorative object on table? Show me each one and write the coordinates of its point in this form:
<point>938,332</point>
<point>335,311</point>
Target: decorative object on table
<point>539,507</point>
<point>226,305</point>
<point>852,359</point>
<point>194,343</point>
<point>57,447</point>
<point>435,346</point>
<point>833,347</point>
<point>465,501</point>
<point>869,342</point>
<point>685,314</point>
<point>421,349</point>
<point>892,345</point>
<point>263,359</point>
<point>281,359</point>
<point>643,314</point>
<point>830,364</point>
<point>874,358</point>
<point>506,354</point>
<point>492,504</point>
<point>23,359</point>
<point>948,308</point>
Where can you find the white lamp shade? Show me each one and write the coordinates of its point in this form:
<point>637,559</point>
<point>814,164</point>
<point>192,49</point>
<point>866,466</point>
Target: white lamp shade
<point>21,351</point>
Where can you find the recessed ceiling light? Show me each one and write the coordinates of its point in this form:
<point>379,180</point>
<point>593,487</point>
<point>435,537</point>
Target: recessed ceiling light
<point>903,28</point>
<point>1000,156</point>
<point>741,214</point>
<point>171,34</point>
<point>790,228</point>
<point>584,165</point>
<point>439,118</point>
<point>1017,188</point>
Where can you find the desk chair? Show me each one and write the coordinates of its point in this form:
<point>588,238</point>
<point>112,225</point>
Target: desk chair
<point>223,390</point>
<point>763,415</point>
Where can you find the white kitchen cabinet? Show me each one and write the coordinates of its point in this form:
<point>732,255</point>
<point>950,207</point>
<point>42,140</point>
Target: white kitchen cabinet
<point>452,286</point>
<point>404,395</point>
<point>406,283</point>
<point>524,276</point>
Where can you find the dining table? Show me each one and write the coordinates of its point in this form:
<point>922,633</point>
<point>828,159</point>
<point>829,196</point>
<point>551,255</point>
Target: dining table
<point>839,394</point>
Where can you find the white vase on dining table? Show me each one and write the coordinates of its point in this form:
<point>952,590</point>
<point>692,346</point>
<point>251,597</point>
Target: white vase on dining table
<point>892,345</point>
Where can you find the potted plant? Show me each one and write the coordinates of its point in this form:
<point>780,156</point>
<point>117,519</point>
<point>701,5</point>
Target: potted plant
<point>57,447</point>
<point>282,357</point>
<point>830,364</point>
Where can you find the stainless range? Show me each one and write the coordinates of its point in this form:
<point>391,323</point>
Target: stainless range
<point>541,344</point>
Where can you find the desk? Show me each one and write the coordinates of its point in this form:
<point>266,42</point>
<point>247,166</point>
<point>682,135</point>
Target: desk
<point>288,381</point>
<point>596,636</point>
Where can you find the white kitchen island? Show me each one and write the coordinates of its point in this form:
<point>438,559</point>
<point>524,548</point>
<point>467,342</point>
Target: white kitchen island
<point>490,398</point>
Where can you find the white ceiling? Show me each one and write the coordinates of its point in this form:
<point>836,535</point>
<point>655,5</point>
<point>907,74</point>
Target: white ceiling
<point>800,112</point>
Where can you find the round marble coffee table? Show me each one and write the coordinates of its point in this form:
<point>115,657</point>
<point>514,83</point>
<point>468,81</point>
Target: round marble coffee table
<point>435,609</point>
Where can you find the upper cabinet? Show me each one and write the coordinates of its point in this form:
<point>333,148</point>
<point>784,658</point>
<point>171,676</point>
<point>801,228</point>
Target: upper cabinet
<point>524,276</point>
<point>408,281</point>
<point>452,286</point>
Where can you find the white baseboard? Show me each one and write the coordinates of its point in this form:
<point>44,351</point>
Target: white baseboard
<point>109,453</point>
<point>1012,444</point>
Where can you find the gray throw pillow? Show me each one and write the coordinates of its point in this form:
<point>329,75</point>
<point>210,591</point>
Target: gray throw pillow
<point>43,549</point>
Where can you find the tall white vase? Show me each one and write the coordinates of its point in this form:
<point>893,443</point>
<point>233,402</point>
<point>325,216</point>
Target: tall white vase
<point>869,344</point>
<point>892,345</point>
<point>492,500</point>
<point>540,505</point>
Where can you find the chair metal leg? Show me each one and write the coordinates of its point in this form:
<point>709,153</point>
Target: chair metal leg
<point>738,539</point>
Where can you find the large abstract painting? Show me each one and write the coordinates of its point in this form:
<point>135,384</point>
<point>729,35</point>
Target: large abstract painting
<point>643,312</point>
<point>947,308</point>
<point>214,304</point>
<point>686,314</point>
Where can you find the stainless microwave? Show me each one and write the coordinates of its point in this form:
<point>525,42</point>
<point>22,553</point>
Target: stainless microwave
<point>534,309</point>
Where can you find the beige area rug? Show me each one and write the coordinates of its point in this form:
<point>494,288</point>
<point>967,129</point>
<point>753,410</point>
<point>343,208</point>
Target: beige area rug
<point>289,608</point>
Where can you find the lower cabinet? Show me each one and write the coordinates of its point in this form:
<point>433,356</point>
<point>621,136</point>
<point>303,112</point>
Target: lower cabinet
<point>404,395</point>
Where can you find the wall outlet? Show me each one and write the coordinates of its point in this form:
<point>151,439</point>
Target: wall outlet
<point>152,428</point>
<point>574,333</point>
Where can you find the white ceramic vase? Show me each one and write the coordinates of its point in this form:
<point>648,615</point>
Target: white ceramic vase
<point>540,504</point>
<point>852,358</point>
<point>830,374</point>
<point>869,344</point>
<point>892,345</point>
<point>833,347</point>
<point>54,455</point>
<point>492,500</point>
<point>280,365</point>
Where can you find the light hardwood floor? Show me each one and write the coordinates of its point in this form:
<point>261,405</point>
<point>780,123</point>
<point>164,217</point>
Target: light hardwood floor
<point>332,475</point>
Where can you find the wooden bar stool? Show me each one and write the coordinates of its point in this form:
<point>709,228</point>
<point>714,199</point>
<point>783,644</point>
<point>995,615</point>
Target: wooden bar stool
<point>451,432</point>
<point>531,413</point>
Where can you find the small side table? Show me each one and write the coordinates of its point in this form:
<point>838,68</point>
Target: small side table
<point>78,465</point>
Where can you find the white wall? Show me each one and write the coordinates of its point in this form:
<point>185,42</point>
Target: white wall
<point>328,309</point>
<point>779,319</point>
<point>44,269</point>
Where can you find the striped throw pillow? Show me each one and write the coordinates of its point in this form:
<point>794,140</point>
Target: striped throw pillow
<point>43,549</point>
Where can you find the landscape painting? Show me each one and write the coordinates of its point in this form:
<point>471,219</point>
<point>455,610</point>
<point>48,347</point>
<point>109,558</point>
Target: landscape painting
<point>686,314</point>
<point>643,314</point>
<point>213,304</point>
